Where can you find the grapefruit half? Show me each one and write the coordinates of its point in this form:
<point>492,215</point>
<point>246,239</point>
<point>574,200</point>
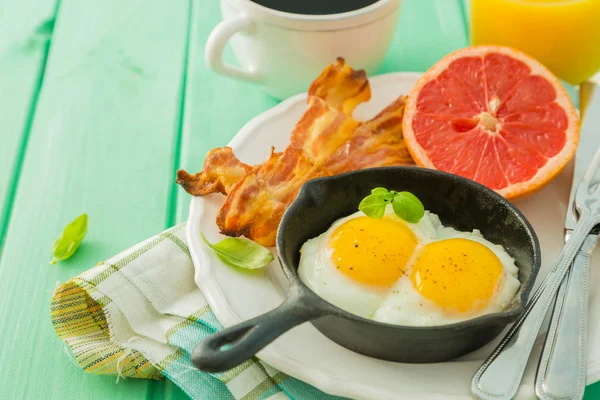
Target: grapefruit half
<point>494,115</point>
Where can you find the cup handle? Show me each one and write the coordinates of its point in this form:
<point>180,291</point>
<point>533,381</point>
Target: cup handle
<point>216,43</point>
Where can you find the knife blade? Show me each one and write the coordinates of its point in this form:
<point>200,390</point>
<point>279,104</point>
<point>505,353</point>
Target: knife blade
<point>589,95</point>
<point>562,370</point>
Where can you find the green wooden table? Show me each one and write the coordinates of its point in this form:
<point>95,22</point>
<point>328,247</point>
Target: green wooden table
<point>100,104</point>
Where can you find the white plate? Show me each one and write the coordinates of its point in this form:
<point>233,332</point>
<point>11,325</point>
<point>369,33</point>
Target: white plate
<point>306,354</point>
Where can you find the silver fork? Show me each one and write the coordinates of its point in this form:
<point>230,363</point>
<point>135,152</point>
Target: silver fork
<point>562,370</point>
<point>561,373</point>
<point>500,375</point>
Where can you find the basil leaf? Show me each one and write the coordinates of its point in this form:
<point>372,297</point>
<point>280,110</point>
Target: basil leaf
<point>383,193</point>
<point>373,206</point>
<point>241,253</point>
<point>66,245</point>
<point>408,207</point>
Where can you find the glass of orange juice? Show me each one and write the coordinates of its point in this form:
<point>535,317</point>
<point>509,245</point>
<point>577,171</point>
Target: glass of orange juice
<point>562,34</point>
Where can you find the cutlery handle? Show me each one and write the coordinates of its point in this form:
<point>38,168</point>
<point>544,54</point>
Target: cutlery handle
<point>500,375</point>
<point>561,373</point>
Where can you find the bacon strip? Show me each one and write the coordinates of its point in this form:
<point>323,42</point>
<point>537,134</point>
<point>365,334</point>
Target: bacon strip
<point>341,87</point>
<point>326,141</point>
<point>381,144</point>
<point>256,204</point>
<point>220,172</point>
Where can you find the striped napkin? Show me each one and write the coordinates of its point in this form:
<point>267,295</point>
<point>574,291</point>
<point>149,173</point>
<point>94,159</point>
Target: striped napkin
<point>140,314</point>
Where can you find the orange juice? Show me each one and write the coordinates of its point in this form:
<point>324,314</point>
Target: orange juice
<point>562,34</point>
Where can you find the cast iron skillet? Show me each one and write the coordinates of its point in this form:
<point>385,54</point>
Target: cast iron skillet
<point>459,202</point>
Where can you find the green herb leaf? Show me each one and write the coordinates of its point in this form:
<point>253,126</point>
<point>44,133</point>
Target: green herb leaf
<point>241,253</point>
<point>373,206</point>
<point>383,193</point>
<point>408,207</point>
<point>66,245</point>
<point>405,204</point>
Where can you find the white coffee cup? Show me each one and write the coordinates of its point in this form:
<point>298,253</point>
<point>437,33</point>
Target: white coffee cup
<point>284,52</point>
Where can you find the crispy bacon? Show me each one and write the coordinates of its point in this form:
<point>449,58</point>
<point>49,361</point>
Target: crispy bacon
<point>341,87</point>
<point>220,172</point>
<point>326,141</point>
<point>380,145</point>
<point>256,204</point>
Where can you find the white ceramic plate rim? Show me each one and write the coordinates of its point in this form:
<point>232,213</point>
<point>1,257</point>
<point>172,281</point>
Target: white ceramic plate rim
<point>274,354</point>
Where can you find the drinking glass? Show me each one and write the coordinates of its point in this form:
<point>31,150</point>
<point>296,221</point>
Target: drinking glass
<point>562,34</point>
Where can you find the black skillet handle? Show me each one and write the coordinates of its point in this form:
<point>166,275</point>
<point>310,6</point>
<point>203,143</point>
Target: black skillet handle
<point>249,337</point>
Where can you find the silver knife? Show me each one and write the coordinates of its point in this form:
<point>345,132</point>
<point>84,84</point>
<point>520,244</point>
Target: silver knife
<point>562,370</point>
<point>500,375</point>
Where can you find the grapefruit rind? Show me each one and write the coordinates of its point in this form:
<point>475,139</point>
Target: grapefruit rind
<point>547,172</point>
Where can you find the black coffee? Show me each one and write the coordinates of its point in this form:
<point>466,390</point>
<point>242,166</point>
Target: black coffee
<point>315,7</point>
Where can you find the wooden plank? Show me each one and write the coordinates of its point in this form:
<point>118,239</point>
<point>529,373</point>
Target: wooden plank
<point>427,30</point>
<point>102,143</point>
<point>466,12</point>
<point>25,29</point>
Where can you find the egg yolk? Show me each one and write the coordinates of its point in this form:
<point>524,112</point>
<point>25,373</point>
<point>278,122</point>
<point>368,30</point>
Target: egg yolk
<point>457,274</point>
<point>372,251</point>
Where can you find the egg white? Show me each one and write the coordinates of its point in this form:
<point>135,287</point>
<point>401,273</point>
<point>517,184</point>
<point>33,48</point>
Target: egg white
<point>399,304</point>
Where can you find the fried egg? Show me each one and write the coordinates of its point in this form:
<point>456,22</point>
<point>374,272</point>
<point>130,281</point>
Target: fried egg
<point>421,274</point>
